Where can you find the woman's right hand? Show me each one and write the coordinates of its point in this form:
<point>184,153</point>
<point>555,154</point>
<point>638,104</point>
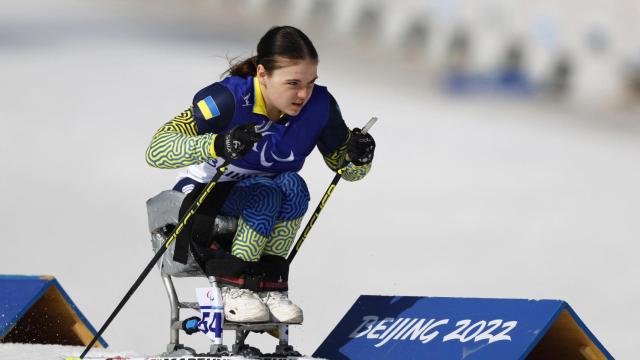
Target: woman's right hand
<point>235,143</point>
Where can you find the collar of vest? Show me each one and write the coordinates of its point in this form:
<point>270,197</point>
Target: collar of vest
<point>259,106</point>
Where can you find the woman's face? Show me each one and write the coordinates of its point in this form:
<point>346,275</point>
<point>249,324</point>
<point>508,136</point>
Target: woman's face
<point>289,87</point>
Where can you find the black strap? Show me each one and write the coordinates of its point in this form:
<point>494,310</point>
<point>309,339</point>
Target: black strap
<point>270,273</point>
<point>277,268</point>
<point>200,229</point>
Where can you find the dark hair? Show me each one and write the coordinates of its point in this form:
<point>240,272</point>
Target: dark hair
<point>280,42</point>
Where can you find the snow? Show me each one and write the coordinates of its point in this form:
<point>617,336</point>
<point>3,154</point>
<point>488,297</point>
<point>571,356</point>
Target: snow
<point>10,351</point>
<point>474,197</point>
<point>52,352</point>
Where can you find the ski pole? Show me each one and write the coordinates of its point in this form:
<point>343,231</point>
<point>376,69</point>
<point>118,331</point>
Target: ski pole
<point>323,202</point>
<point>174,234</point>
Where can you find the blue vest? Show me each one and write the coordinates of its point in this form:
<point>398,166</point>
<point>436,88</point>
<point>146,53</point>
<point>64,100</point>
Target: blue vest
<point>284,145</point>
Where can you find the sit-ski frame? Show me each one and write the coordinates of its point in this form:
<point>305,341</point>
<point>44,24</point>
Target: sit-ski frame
<point>242,329</point>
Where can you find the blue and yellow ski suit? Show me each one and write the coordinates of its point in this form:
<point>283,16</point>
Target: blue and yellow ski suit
<point>268,195</point>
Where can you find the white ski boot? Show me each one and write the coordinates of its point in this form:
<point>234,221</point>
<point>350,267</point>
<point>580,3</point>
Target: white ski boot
<point>281,308</point>
<point>242,305</point>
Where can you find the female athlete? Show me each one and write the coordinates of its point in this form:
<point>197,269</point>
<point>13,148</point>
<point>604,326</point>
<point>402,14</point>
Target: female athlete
<point>264,119</point>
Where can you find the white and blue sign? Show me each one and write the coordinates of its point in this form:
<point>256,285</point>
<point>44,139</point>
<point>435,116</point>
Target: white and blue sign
<point>212,312</point>
<point>395,327</point>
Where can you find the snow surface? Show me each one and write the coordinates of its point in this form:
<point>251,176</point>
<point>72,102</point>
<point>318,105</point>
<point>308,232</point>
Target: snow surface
<point>58,352</point>
<point>53,352</point>
<point>469,197</point>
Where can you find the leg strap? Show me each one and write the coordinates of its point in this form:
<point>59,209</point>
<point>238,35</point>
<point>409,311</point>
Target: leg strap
<point>269,274</point>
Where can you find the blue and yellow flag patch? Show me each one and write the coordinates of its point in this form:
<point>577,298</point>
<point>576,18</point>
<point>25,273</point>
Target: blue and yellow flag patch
<point>208,108</point>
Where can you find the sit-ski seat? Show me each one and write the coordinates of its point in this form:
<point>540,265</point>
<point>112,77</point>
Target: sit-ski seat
<point>163,210</point>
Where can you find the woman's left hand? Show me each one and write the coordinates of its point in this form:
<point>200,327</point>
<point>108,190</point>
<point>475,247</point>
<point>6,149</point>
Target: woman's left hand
<point>361,148</point>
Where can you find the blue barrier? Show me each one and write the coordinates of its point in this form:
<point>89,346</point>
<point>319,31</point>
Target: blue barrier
<point>36,309</point>
<point>388,327</point>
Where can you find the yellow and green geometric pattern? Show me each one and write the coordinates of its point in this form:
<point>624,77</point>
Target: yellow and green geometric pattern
<point>336,159</point>
<point>176,144</point>
<point>282,236</point>
<point>354,172</point>
<point>248,244</point>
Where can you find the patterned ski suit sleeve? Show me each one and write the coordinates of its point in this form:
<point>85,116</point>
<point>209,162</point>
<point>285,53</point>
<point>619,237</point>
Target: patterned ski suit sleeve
<point>333,145</point>
<point>188,138</point>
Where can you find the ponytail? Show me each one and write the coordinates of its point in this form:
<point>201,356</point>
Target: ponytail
<point>280,42</point>
<point>245,68</point>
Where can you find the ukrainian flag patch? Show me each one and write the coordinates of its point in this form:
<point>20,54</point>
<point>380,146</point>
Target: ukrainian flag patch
<point>208,108</point>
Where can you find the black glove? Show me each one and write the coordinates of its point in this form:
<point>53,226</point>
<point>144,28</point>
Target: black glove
<point>361,147</point>
<point>236,142</point>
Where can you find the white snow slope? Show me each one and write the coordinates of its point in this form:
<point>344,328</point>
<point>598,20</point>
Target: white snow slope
<point>469,198</point>
<point>58,352</point>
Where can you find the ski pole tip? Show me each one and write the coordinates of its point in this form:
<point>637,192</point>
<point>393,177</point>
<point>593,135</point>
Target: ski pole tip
<point>369,124</point>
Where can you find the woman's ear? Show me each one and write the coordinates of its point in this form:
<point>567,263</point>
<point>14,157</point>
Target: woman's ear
<point>261,73</point>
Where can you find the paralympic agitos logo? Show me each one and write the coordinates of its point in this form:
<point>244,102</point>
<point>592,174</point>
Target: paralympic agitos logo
<point>264,161</point>
<point>426,330</point>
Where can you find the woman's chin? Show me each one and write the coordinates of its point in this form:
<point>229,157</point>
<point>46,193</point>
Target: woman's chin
<point>293,111</point>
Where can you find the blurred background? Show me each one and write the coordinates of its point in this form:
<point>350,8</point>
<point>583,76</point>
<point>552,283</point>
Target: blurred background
<point>507,159</point>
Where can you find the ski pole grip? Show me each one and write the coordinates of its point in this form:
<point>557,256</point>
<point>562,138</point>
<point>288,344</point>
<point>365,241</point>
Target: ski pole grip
<point>369,124</point>
<point>365,129</point>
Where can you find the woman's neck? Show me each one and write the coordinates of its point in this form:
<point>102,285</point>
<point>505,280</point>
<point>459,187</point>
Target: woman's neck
<point>273,113</point>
